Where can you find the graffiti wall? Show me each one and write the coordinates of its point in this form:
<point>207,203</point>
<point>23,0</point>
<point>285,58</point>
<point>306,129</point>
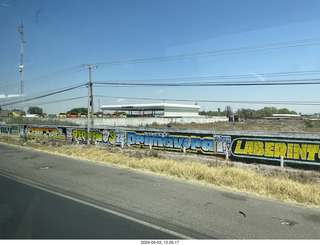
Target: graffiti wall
<point>190,143</point>
<point>96,136</point>
<point>244,148</point>
<point>9,130</point>
<point>294,151</point>
<point>54,133</point>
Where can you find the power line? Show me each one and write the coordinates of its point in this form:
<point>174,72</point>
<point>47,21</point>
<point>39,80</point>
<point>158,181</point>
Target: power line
<point>59,101</point>
<point>279,45</point>
<point>45,95</point>
<point>314,81</point>
<point>46,77</point>
<point>39,93</point>
<point>224,77</point>
<point>218,101</point>
<point>256,48</point>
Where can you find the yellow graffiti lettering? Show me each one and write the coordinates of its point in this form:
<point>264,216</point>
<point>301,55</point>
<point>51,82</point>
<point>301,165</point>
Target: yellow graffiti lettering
<point>269,148</point>
<point>112,138</point>
<point>280,149</point>
<point>54,131</point>
<point>290,151</point>
<point>99,136</point>
<point>238,149</point>
<point>312,150</point>
<point>93,136</point>
<point>300,151</point>
<point>36,131</point>
<point>75,134</point>
<point>248,149</point>
<point>258,149</point>
<point>84,134</point>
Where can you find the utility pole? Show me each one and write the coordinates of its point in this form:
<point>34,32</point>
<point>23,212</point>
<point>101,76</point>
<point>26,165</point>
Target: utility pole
<point>21,65</point>
<point>90,103</point>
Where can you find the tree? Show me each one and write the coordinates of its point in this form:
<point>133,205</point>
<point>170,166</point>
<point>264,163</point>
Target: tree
<point>286,111</point>
<point>228,111</point>
<point>78,110</point>
<point>211,113</point>
<point>35,110</point>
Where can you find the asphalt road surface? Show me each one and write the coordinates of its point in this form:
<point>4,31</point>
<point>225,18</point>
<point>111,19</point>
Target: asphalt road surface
<point>27,212</point>
<point>92,199</point>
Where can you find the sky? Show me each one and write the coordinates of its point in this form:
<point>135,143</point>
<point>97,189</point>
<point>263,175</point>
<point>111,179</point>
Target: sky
<point>224,40</point>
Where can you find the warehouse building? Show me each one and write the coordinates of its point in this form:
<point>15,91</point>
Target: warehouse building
<point>154,110</point>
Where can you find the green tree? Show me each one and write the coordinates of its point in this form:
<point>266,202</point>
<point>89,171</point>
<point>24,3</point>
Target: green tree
<point>286,111</point>
<point>35,110</point>
<point>78,110</point>
<point>210,113</point>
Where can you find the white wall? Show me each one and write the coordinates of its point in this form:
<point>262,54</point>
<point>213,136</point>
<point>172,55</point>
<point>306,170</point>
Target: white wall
<point>129,121</point>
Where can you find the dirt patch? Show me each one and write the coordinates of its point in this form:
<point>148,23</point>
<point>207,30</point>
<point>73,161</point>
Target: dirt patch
<point>282,125</point>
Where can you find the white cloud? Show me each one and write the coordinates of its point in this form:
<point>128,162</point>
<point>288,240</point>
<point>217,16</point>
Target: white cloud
<point>261,79</point>
<point>120,100</point>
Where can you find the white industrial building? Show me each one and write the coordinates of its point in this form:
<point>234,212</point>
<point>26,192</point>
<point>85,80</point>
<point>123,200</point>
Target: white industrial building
<point>156,110</point>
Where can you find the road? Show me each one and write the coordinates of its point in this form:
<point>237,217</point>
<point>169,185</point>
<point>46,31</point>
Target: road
<point>165,206</point>
<point>28,212</point>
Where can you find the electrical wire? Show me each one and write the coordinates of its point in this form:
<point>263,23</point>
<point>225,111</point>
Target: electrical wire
<point>314,81</point>
<point>58,101</point>
<point>279,45</point>
<point>46,77</point>
<point>247,49</point>
<point>39,93</point>
<point>216,101</point>
<point>261,75</point>
<point>43,96</point>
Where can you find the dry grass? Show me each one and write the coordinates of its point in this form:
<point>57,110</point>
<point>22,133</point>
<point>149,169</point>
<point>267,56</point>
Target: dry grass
<point>294,187</point>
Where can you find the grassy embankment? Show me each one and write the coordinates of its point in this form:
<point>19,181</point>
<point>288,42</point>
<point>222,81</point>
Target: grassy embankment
<point>293,186</point>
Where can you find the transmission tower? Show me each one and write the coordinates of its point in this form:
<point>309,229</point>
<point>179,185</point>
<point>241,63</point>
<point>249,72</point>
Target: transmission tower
<point>21,65</point>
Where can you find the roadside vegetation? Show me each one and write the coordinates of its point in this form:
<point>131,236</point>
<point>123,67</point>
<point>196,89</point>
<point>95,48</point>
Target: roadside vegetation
<point>315,124</point>
<point>288,185</point>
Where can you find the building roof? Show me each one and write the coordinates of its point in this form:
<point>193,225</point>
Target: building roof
<point>6,113</point>
<point>150,107</point>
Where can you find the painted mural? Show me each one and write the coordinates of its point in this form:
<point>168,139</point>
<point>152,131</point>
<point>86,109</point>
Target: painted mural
<point>207,145</point>
<point>44,132</point>
<point>244,148</point>
<point>294,151</point>
<point>97,136</point>
<point>9,130</point>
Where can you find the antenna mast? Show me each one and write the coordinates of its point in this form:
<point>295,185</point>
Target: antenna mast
<point>21,65</point>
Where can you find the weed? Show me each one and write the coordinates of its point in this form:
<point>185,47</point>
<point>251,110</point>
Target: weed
<point>308,124</point>
<point>23,138</point>
<point>153,153</point>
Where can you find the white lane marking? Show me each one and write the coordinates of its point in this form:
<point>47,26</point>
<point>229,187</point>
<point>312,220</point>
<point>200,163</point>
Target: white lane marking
<point>104,209</point>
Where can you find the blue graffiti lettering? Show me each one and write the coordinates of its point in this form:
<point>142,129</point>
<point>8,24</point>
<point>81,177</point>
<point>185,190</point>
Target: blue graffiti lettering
<point>131,138</point>
<point>164,141</point>
<point>195,143</point>
<point>207,145</point>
